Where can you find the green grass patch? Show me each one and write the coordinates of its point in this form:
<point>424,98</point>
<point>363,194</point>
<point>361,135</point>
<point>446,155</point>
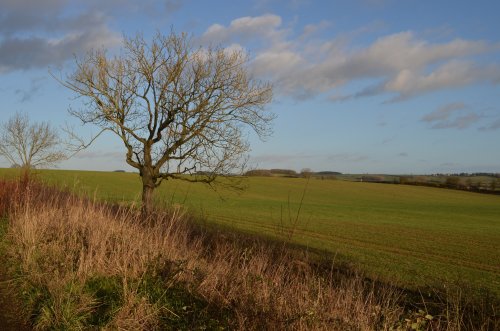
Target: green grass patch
<point>180,309</point>
<point>409,235</point>
<point>4,225</point>
<point>107,291</point>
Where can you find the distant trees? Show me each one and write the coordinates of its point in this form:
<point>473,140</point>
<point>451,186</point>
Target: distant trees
<point>452,181</point>
<point>483,183</point>
<point>285,172</point>
<point>271,172</point>
<point>328,173</point>
<point>178,110</point>
<point>306,173</point>
<point>259,172</point>
<point>372,178</point>
<point>495,184</point>
<point>29,145</point>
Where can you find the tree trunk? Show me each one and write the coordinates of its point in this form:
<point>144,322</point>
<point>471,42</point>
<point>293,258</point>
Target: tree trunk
<point>148,187</point>
<point>25,177</point>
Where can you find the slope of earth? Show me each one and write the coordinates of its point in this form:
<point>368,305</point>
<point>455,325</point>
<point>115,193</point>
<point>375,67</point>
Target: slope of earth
<point>408,235</point>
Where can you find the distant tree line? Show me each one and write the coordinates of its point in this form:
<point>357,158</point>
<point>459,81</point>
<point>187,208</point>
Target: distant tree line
<point>462,181</point>
<point>466,174</point>
<point>456,181</point>
<point>304,173</point>
<point>373,179</point>
<point>286,172</point>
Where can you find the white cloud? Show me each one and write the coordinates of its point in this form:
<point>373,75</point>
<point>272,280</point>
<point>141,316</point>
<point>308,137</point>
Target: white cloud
<point>245,29</point>
<point>35,52</point>
<point>450,75</point>
<point>491,126</point>
<point>408,66</point>
<point>401,64</point>
<point>281,63</point>
<point>235,48</point>
<point>311,29</point>
<point>36,34</point>
<point>453,115</point>
<point>460,122</point>
<point>404,51</point>
<point>444,112</point>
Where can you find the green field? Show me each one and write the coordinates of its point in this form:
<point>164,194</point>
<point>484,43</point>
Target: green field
<point>409,235</point>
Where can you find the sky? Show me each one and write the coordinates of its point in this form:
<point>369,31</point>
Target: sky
<point>360,86</point>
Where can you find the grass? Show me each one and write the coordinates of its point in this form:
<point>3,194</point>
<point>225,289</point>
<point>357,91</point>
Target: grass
<point>412,236</point>
<point>89,265</point>
<point>11,317</point>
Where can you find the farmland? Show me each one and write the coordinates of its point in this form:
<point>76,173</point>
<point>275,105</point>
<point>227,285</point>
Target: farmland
<point>408,235</point>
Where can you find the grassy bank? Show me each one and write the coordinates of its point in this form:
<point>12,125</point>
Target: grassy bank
<point>85,264</point>
<point>406,235</point>
<point>82,263</point>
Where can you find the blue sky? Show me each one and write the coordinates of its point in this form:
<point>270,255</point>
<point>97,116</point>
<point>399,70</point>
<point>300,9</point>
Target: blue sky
<point>360,86</point>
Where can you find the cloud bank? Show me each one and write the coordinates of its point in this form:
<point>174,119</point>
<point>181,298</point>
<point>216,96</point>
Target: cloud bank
<point>400,65</point>
<point>453,115</point>
<point>36,34</point>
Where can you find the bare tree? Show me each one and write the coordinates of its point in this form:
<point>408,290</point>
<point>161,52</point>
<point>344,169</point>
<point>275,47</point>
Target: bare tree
<point>29,145</point>
<point>180,112</point>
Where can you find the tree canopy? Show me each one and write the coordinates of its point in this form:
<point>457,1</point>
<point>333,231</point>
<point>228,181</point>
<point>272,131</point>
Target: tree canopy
<point>178,110</point>
<point>30,145</point>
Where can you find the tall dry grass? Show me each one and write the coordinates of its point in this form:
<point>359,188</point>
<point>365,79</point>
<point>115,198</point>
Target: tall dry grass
<point>62,243</point>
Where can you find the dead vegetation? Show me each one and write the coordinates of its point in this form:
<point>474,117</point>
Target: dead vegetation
<point>82,263</point>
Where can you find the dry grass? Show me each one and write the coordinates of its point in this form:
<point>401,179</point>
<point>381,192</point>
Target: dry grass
<point>61,243</point>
